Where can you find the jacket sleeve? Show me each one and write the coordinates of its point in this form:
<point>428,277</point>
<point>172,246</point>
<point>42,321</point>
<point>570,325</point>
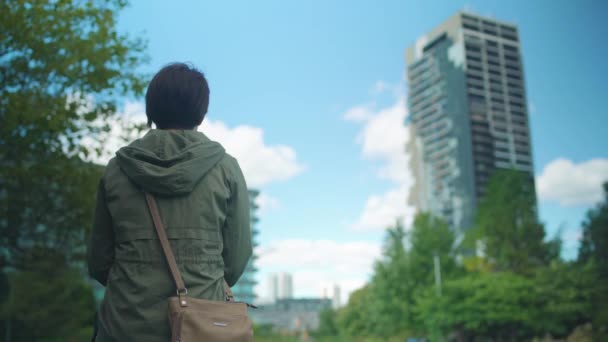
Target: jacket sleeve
<point>237,230</point>
<point>100,250</point>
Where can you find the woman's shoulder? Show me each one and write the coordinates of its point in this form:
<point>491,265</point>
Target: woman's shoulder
<point>230,165</point>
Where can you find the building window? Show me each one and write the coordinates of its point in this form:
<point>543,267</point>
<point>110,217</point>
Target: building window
<point>475,86</point>
<point>509,36</point>
<point>494,72</point>
<point>522,123</point>
<point>516,94</point>
<point>475,77</point>
<point>494,62</point>
<point>517,114</point>
<point>497,107</point>
<point>513,67</point>
<point>468,17</point>
<point>470,27</point>
<point>511,48</point>
<point>511,58</point>
<point>512,85</point>
<point>473,58</point>
<point>513,76</point>
<point>488,30</point>
<point>496,87</point>
<point>473,48</point>
<point>499,118</point>
<point>520,133</point>
<point>492,53</point>
<point>474,67</point>
<point>508,29</point>
<point>495,80</point>
<point>516,104</point>
<point>477,98</point>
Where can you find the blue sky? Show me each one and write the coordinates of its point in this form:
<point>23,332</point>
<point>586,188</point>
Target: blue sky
<point>284,75</point>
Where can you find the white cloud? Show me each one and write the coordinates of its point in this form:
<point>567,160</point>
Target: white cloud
<point>319,264</point>
<point>381,211</point>
<point>261,163</point>
<point>572,184</point>
<point>383,138</point>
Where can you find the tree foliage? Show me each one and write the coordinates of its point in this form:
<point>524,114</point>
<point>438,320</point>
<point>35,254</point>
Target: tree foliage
<point>64,72</point>
<point>64,69</point>
<point>519,290</point>
<point>430,237</point>
<point>356,318</point>
<point>593,253</point>
<point>566,291</point>
<point>327,323</point>
<point>594,243</point>
<point>507,223</point>
<point>484,305</point>
<point>503,305</point>
<point>47,304</point>
<point>391,288</point>
<point>384,308</point>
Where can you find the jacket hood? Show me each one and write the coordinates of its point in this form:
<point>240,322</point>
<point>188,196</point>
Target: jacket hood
<point>169,162</point>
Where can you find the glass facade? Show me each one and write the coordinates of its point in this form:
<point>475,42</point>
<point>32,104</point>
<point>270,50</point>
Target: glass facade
<point>244,289</point>
<point>468,114</point>
<point>441,133</point>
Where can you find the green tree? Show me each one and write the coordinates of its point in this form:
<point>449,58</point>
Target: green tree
<point>565,291</point>
<point>355,319</point>
<point>392,287</point>
<point>507,223</point>
<point>503,305</point>
<point>327,323</point>
<point>491,305</point>
<point>430,237</point>
<point>63,68</point>
<point>593,252</point>
<point>594,243</point>
<point>49,304</point>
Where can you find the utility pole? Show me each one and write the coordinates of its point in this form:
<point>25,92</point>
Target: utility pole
<point>437,274</point>
<point>438,335</point>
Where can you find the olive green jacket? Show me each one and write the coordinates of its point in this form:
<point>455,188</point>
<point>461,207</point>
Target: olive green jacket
<point>204,203</point>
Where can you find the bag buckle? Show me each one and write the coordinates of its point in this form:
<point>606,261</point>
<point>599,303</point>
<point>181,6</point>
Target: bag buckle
<point>182,300</point>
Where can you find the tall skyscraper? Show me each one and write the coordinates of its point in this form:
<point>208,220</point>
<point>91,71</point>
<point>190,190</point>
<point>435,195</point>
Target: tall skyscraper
<point>280,286</point>
<point>336,300</point>
<point>468,114</point>
<point>285,286</point>
<point>243,289</point>
<point>273,287</point>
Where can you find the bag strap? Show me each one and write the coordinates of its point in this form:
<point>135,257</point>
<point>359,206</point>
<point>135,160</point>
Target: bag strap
<point>166,247</point>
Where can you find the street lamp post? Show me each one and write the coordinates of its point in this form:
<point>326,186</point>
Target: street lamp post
<point>437,274</point>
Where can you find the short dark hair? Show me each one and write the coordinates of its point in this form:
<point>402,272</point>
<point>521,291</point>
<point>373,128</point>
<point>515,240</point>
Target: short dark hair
<point>177,97</point>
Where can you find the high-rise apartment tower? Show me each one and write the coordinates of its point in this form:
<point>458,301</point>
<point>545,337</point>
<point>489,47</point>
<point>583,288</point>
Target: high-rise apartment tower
<point>468,114</point>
